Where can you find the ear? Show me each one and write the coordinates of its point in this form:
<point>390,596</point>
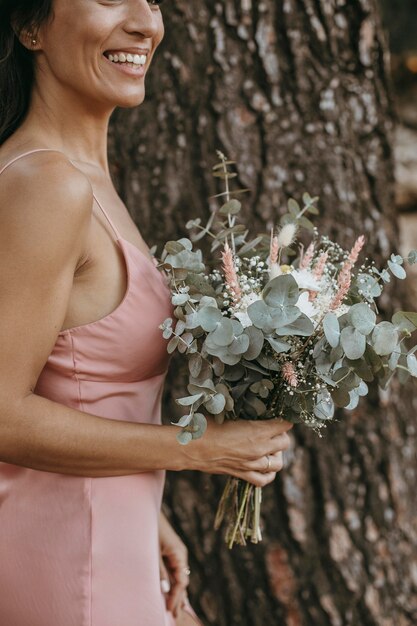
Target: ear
<point>28,37</point>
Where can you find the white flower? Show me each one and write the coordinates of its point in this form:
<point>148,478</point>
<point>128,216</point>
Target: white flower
<point>306,280</point>
<point>274,271</point>
<point>240,312</point>
<point>305,306</point>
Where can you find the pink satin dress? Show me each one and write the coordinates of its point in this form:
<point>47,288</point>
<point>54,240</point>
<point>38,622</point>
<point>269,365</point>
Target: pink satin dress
<point>79,551</point>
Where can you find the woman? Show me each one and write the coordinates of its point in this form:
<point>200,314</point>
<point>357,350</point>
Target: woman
<point>82,449</point>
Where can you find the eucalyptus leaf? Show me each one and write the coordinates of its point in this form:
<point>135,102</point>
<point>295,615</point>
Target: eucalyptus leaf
<point>184,437</point>
<point>256,342</point>
<point>397,270</point>
<point>199,425</point>
<point>281,291</point>
<point>363,318</point>
<point>172,345</point>
<point>412,364</point>
<point>174,247</point>
<point>240,344</point>
<point>354,401</point>
<point>353,342</point>
<point>184,420</point>
<point>405,321</point>
<point>331,329</point>
<point>412,257</point>
<point>384,338</point>
<point>324,407</point>
<point>278,345</point>
<point>223,334</point>
<point>190,400</point>
<point>198,285</point>
<point>215,404</point>
<point>208,318</point>
<point>260,315</point>
<point>195,364</point>
<point>341,397</point>
<point>230,208</point>
<point>369,286</point>
<point>302,326</point>
<point>179,299</point>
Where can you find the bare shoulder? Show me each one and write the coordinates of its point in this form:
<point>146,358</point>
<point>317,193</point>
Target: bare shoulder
<point>48,181</point>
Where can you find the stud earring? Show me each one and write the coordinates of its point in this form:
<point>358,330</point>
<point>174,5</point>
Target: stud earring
<point>34,42</point>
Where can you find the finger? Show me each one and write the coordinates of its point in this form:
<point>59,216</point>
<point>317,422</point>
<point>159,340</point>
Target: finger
<point>274,426</point>
<point>180,581</point>
<point>268,463</point>
<point>259,479</point>
<point>278,443</point>
<point>164,577</point>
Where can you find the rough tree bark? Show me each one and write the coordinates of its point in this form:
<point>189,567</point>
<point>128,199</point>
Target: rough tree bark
<point>296,91</point>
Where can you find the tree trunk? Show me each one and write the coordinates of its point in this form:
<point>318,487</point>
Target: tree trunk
<point>296,91</point>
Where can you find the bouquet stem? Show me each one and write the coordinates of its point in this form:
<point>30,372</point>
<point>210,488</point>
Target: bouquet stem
<point>240,507</point>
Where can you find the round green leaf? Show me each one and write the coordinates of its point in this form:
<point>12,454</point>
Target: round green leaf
<point>302,326</point>
<point>256,342</point>
<point>397,270</point>
<point>215,404</point>
<point>239,345</point>
<point>199,425</point>
<point>384,338</point>
<point>178,299</point>
<point>412,257</point>
<point>184,437</point>
<point>278,345</point>
<point>259,314</point>
<point>281,291</point>
<point>363,318</point>
<point>354,401</point>
<point>405,321</point>
<point>208,318</point>
<point>184,420</point>
<point>353,342</point>
<point>331,329</point>
<point>324,407</point>
<point>223,335</point>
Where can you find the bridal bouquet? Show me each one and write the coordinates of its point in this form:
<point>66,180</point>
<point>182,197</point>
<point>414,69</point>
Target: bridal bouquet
<point>268,332</point>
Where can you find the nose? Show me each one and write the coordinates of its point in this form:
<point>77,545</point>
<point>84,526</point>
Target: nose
<point>141,19</point>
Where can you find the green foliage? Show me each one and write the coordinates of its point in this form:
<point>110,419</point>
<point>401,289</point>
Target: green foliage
<point>238,364</point>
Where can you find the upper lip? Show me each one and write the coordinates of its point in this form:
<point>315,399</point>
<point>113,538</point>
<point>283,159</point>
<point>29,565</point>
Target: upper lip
<point>130,50</point>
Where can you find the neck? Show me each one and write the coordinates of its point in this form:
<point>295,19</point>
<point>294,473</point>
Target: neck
<point>69,125</point>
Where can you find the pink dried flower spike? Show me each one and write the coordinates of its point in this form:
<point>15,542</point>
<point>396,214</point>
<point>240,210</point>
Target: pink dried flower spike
<point>345,276</point>
<point>320,265</point>
<point>308,257</point>
<point>354,253</point>
<point>230,274</point>
<point>273,253</point>
<point>289,374</point>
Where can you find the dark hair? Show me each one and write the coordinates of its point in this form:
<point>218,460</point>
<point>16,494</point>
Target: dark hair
<point>16,61</point>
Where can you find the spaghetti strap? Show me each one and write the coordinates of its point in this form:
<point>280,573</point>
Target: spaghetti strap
<point>20,156</point>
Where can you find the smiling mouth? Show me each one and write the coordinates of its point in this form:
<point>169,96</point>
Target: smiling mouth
<point>127,58</point>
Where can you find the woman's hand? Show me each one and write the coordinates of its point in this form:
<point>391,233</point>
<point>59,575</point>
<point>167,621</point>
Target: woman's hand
<point>251,450</point>
<point>173,566</point>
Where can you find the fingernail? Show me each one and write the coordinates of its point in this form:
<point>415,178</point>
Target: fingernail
<point>165,586</point>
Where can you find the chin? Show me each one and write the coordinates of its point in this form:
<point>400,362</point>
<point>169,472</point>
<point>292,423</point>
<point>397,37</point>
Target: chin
<point>129,101</point>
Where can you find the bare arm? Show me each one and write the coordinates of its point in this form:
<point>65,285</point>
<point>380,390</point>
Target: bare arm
<point>45,213</point>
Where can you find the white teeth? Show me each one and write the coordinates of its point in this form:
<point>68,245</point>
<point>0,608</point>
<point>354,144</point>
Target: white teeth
<point>137,59</point>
